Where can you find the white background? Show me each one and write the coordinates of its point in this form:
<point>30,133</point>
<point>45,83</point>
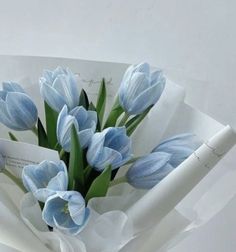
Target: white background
<point>194,41</point>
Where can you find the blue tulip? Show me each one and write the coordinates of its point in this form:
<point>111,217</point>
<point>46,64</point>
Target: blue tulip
<point>44,179</point>
<point>85,123</point>
<point>59,87</point>
<point>2,162</point>
<point>110,147</point>
<point>149,170</point>
<point>140,89</point>
<point>17,110</point>
<point>66,211</point>
<point>180,147</point>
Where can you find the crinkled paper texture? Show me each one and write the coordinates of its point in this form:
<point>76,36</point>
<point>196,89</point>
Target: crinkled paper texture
<point>111,226</point>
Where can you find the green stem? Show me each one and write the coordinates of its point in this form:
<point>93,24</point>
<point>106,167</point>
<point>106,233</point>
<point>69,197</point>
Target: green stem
<point>35,130</point>
<point>123,120</point>
<point>16,180</point>
<point>132,160</point>
<point>118,181</point>
<point>61,154</point>
<point>87,171</point>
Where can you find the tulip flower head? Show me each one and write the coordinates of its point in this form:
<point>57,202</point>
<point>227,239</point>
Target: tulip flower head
<point>149,170</point>
<point>110,147</point>
<point>66,211</point>
<point>84,121</point>
<point>180,147</point>
<point>17,110</point>
<point>44,179</point>
<point>140,89</point>
<point>59,88</point>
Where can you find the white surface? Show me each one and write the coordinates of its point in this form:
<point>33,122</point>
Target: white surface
<point>194,41</point>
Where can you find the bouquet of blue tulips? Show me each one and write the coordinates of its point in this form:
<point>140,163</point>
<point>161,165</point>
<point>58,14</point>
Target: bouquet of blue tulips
<point>93,144</point>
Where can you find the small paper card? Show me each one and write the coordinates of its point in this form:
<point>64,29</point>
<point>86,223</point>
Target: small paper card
<point>18,154</point>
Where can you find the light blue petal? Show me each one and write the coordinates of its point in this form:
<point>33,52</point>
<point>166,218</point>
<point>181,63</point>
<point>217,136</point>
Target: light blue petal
<point>143,68</point>
<point>27,175</point>
<point>67,89</point>
<point>59,182</point>
<point>48,75</point>
<point>76,208</point>
<point>35,177</point>
<point>157,76</point>
<point>54,205</point>
<point>43,194</point>
<point>138,84</point>
<point>185,139</point>
<point>64,124</point>
<point>152,180</point>
<point>21,109</point>
<point>85,137</point>
<point>148,164</point>
<point>3,95</point>
<point>4,117</point>
<point>92,120</point>
<point>180,146</point>
<point>10,86</point>
<point>108,157</point>
<point>58,71</point>
<point>109,147</point>
<point>51,96</point>
<point>149,170</point>
<point>65,223</point>
<point>95,147</point>
<point>149,97</point>
<point>80,114</point>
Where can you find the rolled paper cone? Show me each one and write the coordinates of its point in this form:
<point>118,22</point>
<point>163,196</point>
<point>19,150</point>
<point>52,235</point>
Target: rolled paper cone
<point>161,199</point>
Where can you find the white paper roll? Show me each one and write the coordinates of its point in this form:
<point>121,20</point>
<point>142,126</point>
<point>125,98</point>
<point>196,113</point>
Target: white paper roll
<point>161,199</point>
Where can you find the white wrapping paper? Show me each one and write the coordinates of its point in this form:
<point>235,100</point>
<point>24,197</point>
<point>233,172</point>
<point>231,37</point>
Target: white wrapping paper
<point>127,219</point>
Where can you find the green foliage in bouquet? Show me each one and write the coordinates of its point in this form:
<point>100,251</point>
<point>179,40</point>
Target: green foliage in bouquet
<point>91,147</point>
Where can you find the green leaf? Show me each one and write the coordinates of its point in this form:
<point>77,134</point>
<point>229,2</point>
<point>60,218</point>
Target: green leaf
<point>133,123</point>
<point>42,136</point>
<point>100,184</point>
<point>115,113</point>
<point>93,108</point>
<point>51,125</point>
<point>101,101</point>
<point>83,99</point>
<point>76,167</point>
<point>12,137</point>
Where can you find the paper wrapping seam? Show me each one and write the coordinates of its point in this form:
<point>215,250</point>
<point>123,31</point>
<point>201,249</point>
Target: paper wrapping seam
<point>161,199</point>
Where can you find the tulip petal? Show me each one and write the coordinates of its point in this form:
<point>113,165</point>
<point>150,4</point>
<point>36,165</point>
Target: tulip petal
<point>80,114</point>
<point>67,88</point>
<point>149,170</point>
<point>3,95</point>
<point>59,182</point>
<point>48,75</point>
<point>76,207</point>
<point>4,117</point>
<point>10,86</point>
<point>21,110</point>
<point>109,156</point>
<point>185,139</point>
<point>42,194</point>
<point>148,164</point>
<point>149,97</point>
<point>85,137</point>
<point>52,205</point>
<point>51,96</point>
